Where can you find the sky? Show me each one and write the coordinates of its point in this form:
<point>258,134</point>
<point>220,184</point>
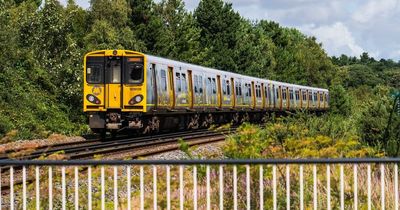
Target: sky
<point>342,26</point>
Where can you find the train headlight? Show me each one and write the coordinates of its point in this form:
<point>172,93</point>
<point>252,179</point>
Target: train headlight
<point>93,99</point>
<point>136,99</point>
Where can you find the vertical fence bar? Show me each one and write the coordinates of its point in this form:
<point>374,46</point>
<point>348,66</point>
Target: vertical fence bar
<point>301,188</point>
<point>382,186</point>
<point>103,189</point>
<point>141,188</point>
<point>274,187</point>
<point>341,187</point>
<point>315,189</point>
<point>50,188</point>
<point>63,186</point>
<point>76,188</point>
<point>221,187</point>
<point>37,188</point>
<point>396,187</point>
<point>355,187</point>
<point>155,187</point>
<point>89,187</point>
<point>0,191</point>
<point>128,187</point>
<point>328,187</point>
<point>288,187</point>
<point>369,185</point>
<point>235,187</point>
<point>12,188</point>
<point>195,187</point>
<point>248,186</point>
<point>168,188</point>
<point>24,188</point>
<point>115,188</point>
<point>208,187</point>
<point>261,187</point>
<point>181,198</point>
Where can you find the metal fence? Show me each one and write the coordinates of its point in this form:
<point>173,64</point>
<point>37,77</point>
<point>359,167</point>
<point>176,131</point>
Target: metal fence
<point>200,184</point>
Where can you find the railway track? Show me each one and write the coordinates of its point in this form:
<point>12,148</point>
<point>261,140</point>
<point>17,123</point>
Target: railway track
<point>141,146</point>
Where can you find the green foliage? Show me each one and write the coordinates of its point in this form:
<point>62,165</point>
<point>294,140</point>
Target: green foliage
<point>339,100</point>
<point>297,137</point>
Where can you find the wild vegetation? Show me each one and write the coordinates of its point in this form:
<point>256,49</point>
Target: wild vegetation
<point>43,45</point>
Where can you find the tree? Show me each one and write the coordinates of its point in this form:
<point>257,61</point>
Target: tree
<point>219,26</point>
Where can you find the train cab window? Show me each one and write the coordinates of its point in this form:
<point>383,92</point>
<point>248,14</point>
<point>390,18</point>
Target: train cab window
<point>134,71</point>
<point>94,73</point>
<point>113,70</point>
<point>163,80</point>
<point>214,86</point>
<point>183,82</point>
<point>95,70</point>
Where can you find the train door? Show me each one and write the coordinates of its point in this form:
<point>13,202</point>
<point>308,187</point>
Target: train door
<point>181,93</point>
<point>226,92</point>
<point>154,85</point>
<point>264,95</point>
<point>113,82</point>
<point>171,87</point>
<point>163,87</point>
<point>238,91</point>
<point>233,93</point>
<point>198,90</point>
<point>190,92</point>
<point>219,95</point>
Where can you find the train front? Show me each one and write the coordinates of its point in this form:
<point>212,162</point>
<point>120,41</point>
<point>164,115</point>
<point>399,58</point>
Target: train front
<point>114,90</point>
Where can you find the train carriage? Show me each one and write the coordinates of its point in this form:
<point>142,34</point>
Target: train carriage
<point>131,90</point>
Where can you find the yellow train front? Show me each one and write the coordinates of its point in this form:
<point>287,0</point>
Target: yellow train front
<point>130,90</point>
<point>114,83</point>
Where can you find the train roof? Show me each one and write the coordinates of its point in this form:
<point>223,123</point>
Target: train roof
<point>216,71</point>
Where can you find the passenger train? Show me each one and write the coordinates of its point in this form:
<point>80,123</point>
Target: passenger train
<point>130,90</point>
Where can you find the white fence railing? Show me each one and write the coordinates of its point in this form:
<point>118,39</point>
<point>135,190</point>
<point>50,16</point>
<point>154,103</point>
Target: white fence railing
<point>201,184</point>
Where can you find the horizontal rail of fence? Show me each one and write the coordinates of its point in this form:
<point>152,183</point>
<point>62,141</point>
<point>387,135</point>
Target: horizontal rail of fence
<point>368,183</point>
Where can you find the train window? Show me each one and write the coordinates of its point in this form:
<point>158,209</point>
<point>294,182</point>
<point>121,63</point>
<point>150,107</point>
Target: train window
<point>224,87</point>
<point>163,80</point>
<point>284,94</point>
<point>228,88</point>
<point>310,96</point>
<point>321,97</point>
<point>304,95</point>
<point>315,96</point>
<point>178,85</point>
<point>94,73</point>
<point>134,72</point>
<point>183,82</point>
<point>200,84</point>
<point>297,95</point>
<point>291,94</point>
<point>277,93</point>
<point>214,86</point>
<point>249,87</point>
<point>114,71</point>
